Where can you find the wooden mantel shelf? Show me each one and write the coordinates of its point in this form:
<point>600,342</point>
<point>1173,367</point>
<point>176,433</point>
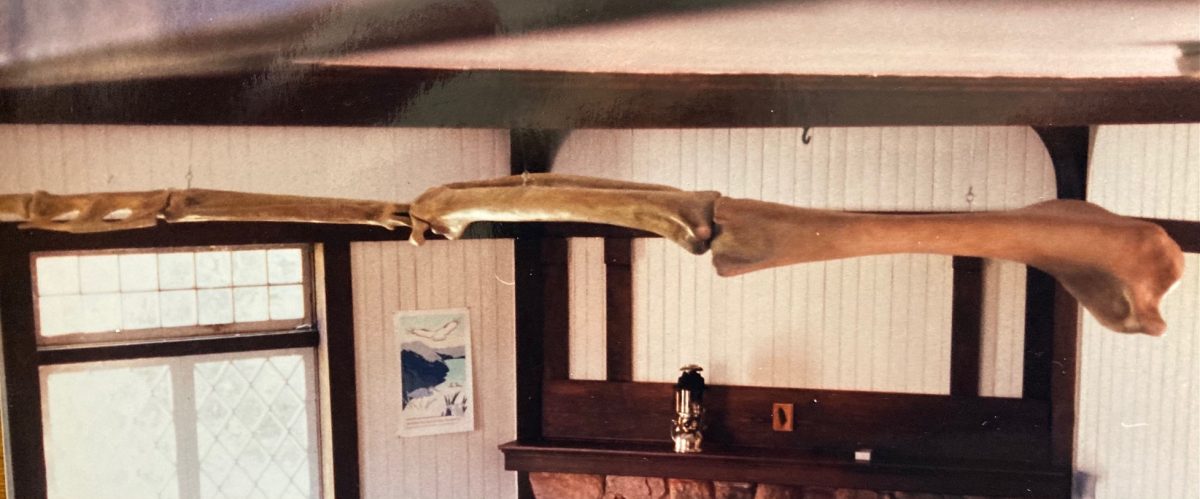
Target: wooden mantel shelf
<point>785,468</point>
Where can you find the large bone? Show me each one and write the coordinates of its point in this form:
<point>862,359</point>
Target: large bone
<point>1118,268</point>
<point>14,207</point>
<point>201,205</point>
<point>683,217</point>
<point>102,212</point>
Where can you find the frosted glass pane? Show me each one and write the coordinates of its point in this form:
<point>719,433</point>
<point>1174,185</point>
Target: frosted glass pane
<point>253,428</point>
<point>178,308</point>
<point>139,272</point>
<point>99,274</point>
<point>101,313</point>
<point>59,314</point>
<point>250,304</point>
<point>111,292</point>
<point>213,269</point>
<point>284,266</point>
<point>139,310</point>
<point>109,433</point>
<point>215,306</point>
<point>249,268</point>
<point>57,275</point>
<point>176,270</point>
<point>287,302</point>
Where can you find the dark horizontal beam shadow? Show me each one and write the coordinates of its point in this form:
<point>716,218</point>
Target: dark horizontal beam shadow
<point>303,95</point>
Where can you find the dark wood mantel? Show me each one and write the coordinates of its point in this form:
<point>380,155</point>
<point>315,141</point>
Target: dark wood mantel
<point>784,468</point>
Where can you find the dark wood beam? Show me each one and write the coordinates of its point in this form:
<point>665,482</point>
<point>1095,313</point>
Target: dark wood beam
<point>22,391</point>
<point>963,477</point>
<point>345,96</point>
<point>179,347</point>
<point>338,289</point>
<point>618,298</point>
<point>966,327</point>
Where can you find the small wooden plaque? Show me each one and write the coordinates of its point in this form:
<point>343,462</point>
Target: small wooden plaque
<point>781,417</point>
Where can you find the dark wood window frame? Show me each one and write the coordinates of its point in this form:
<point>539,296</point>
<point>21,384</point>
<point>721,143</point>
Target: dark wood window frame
<point>170,334</point>
<point>22,357</point>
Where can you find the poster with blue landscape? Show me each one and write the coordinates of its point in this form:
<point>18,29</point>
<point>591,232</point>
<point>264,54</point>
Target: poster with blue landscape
<point>435,371</point>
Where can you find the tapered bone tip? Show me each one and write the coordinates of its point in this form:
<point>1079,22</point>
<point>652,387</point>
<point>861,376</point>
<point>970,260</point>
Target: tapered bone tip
<point>1154,326</point>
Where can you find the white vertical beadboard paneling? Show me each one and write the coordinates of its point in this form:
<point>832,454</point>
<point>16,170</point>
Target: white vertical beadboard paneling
<point>1138,432</point>
<point>396,276</point>
<point>394,164</point>
<point>586,275</point>
<point>364,163</point>
<point>878,323</point>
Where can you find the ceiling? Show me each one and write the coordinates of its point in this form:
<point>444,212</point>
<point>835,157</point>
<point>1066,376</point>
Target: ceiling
<point>910,37</point>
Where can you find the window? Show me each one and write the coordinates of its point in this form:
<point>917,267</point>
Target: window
<point>178,372</point>
<point>97,296</point>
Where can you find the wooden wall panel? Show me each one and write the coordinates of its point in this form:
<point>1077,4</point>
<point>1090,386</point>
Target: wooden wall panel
<point>879,323</point>
<point>1138,433</point>
<point>393,276</point>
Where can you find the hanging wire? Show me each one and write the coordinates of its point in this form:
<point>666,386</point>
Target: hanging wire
<point>805,137</point>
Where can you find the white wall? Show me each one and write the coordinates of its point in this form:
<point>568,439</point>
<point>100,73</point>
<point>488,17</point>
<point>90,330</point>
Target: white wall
<point>879,323</point>
<point>1138,433</point>
<point>391,276</point>
<point>368,163</point>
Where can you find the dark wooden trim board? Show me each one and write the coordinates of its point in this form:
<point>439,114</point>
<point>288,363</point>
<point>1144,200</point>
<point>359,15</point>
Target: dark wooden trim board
<point>555,307</point>
<point>966,326</point>
<point>24,453</point>
<point>903,427</point>
<point>966,477</point>
<point>1064,376</point>
<point>177,347</point>
<point>343,380</point>
<point>1068,147</point>
<point>304,95</point>
<point>618,273</point>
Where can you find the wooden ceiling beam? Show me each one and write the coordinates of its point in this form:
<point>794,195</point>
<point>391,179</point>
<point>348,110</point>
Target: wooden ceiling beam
<point>307,95</point>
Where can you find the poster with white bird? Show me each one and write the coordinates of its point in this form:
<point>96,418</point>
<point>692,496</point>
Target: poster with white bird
<point>435,371</point>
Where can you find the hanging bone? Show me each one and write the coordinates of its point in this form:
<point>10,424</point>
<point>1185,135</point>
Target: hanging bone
<point>14,207</point>
<point>110,211</point>
<point>83,213</point>
<point>201,205</point>
<point>1118,268</point>
<point>681,216</point>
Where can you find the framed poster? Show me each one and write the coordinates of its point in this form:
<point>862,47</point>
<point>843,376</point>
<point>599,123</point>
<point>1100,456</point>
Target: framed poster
<point>435,371</point>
